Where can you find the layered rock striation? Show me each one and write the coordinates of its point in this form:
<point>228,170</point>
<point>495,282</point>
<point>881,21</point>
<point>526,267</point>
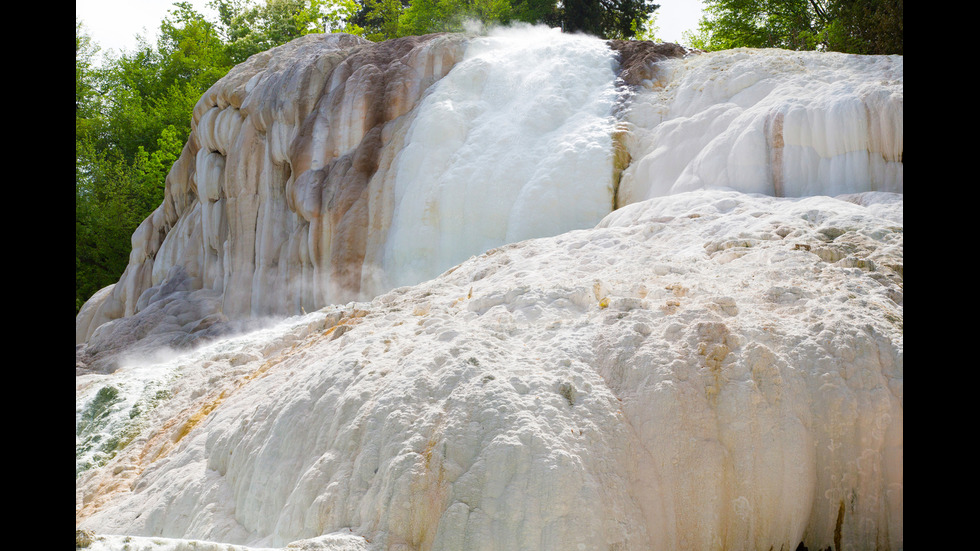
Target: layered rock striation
<point>268,204</point>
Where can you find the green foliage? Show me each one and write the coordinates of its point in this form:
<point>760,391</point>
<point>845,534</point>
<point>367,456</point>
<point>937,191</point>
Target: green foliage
<point>132,117</point>
<point>379,19</point>
<point>853,26</point>
<point>385,19</point>
<point>866,27</point>
<point>112,197</point>
<point>607,18</point>
<point>427,16</point>
<point>646,30</point>
<point>85,90</point>
<point>157,86</point>
<point>251,28</point>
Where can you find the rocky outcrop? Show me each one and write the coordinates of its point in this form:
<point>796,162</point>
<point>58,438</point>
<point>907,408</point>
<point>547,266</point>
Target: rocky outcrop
<point>268,205</point>
<point>333,169</point>
<point>638,60</point>
<point>775,122</point>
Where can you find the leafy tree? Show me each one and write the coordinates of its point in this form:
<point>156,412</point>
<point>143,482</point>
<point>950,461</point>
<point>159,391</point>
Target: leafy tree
<point>250,28</point>
<point>385,19</point>
<point>606,18</point>
<point>427,16</point>
<point>86,93</point>
<point>853,26</point>
<point>866,27</point>
<point>379,19</point>
<point>647,30</point>
<point>132,118</point>
<point>112,197</point>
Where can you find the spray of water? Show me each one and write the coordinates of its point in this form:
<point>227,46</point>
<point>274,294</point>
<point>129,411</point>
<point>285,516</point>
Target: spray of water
<point>514,143</point>
<point>111,410</point>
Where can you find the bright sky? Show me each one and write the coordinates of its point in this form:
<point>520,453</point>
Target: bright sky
<point>675,17</point>
<point>114,24</point>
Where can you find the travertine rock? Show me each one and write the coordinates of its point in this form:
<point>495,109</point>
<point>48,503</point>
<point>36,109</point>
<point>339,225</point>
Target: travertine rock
<point>776,122</point>
<point>689,375</point>
<point>496,361</point>
<point>268,203</point>
<point>331,169</point>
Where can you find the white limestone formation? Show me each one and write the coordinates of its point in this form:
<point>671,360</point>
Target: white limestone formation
<point>520,291</point>
<point>332,169</point>
<point>783,123</point>
<point>267,204</point>
<point>705,370</point>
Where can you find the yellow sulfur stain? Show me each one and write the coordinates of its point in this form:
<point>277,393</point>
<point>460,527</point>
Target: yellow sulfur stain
<point>199,416</point>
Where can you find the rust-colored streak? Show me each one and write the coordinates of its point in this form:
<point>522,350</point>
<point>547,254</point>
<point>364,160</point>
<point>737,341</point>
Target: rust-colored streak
<point>776,145</point>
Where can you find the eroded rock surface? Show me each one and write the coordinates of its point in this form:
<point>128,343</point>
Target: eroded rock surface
<point>267,205</point>
<point>716,363</point>
<point>332,169</point>
<point>691,374</point>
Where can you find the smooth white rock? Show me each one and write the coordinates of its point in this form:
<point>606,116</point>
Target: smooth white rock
<point>709,369</point>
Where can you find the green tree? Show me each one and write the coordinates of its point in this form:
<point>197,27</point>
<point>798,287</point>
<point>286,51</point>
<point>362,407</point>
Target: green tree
<point>249,28</point>
<point>853,26</point>
<point>86,94</point>
<point>866,27</point>
<point>133,116</point>
<point>379,19</point>
<point>385,19</point>
<point>428,16</point>
<point>112,197</point>
<point>157,85</point>
<point>647,30</point>
<point>607,18</point>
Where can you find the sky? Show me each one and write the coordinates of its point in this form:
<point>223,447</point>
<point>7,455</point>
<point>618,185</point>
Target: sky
<point>114,24</point>
<point>675,17</point>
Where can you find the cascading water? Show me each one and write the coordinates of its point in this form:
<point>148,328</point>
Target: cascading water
<point>514,143</point>
<point>112,410</point>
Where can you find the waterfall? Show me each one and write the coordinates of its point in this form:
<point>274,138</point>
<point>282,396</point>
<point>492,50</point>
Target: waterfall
<point>514,143</point>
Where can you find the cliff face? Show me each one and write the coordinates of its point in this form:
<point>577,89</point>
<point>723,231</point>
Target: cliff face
<point>332,169</point>
<point>268,204</point>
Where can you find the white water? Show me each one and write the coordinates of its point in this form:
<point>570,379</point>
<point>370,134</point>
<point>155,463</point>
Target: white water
<point>514,143</point>
<point>113,409</point>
